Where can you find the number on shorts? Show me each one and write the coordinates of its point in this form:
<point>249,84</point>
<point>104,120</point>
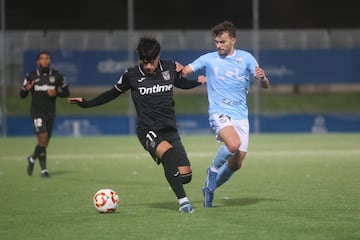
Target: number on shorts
<point>151,136</point>
<point>38,122</point>
<point>150,142</point>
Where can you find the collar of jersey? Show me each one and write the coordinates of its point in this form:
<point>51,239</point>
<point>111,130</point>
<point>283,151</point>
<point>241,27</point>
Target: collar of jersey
<point>142,72</point>
<point>39,73</point>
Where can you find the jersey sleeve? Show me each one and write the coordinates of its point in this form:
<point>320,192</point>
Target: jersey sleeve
<point>62,81</point>
<point>64,90</point>
<point>23,91</point>
<point>184,83</point>
<point>123,84</point>
<point>252,64</point>
<point>198,63</point>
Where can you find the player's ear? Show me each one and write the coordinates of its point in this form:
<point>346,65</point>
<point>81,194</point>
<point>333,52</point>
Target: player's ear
<point>234,40</point>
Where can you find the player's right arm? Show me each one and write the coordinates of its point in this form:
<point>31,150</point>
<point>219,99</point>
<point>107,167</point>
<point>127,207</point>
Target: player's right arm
<point>103,98</point>
<point>186,71</point>
<point>121,86</point>
<point>28,84</point>
<point>196,65</point>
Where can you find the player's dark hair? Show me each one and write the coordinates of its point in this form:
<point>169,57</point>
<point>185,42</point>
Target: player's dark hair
<point>148,49</point>
<point>43,52</point>
<point>225,26</point>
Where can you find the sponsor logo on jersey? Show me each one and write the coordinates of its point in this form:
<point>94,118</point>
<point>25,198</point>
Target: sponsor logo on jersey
<point>43,88</point>
<point>166,75</point>
<point>155,89</point>
<point>141,79</point>
<point>239,60</point>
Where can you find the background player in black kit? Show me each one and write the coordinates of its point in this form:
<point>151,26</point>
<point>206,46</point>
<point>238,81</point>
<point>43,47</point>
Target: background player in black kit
<point>45,84</point>
<point>151,84</point>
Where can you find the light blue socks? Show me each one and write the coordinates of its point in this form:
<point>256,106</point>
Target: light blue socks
<point>222,156</point>
<point>224,174</point>
<point>221,167</point>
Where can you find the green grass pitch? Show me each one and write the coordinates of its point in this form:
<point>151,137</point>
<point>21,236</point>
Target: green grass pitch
<point>294,186</point>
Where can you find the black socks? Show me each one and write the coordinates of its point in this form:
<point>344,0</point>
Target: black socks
<point>172,173</point>
<point>40,153</point>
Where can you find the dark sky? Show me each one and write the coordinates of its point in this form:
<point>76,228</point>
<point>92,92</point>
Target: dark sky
<point>184,14</point>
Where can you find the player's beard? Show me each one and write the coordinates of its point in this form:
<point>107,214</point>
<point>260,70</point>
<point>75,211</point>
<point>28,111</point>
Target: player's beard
<point>149,71</point>
<point>44,69</point>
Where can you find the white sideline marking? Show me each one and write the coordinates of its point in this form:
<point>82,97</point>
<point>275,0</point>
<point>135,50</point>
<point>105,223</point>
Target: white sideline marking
<point>192,155</point>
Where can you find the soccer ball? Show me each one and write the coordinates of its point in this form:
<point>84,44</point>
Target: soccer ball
<point>106,200</point>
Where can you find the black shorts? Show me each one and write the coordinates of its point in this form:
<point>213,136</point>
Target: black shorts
<point>150,139</point>
<point>43,123</point>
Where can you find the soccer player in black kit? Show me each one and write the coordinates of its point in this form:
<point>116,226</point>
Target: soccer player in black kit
<point>151,84</point>
<point>45,84</point>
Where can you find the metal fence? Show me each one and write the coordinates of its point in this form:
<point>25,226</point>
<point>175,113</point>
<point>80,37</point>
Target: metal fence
<point>18,41</point>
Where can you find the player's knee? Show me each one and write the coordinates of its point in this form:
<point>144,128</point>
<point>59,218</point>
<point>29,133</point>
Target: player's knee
<point>186,178</point>
<point>233,146</point>
<point>43,139</point>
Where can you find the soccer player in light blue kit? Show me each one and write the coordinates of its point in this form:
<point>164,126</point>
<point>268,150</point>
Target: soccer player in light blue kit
<point>228,73</point>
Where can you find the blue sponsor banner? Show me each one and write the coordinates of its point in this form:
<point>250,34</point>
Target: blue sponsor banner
<point>192,124</point>
<point>95,67</point>
<point>315,66</point>
<point>73,126</point>
<point>318,66</point>
<point>310,123</point>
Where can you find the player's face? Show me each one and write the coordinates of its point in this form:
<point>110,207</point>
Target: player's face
<point>225,43</point>
<point>44,61</point>
<point>150,67</point>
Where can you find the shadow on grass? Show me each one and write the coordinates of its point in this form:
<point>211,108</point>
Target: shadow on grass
<point>58,172</point>
<point>172,206</point>
<point>246,201</point>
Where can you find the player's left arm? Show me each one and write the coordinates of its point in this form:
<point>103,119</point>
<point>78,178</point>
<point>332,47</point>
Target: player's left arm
<point>184,83</point>
<point>261,78</point>
<point>27,86</point>
<point>63,90</point>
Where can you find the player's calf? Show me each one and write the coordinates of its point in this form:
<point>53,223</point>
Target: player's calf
<point>30,167</point>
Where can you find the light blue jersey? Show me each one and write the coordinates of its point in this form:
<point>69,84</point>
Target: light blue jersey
<point>228,80</point>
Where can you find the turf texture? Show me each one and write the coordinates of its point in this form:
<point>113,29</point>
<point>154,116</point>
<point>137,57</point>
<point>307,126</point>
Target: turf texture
<point>293,186</point>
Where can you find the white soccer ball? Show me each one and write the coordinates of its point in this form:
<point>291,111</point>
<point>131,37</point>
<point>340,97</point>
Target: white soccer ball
<point>106,200</point>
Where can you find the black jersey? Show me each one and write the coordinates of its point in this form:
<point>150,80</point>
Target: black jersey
<point>41,102</point>
<point>153,94</point>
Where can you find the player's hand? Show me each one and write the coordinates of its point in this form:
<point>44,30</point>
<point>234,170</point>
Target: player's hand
<point>52,92</point>
<point>201,79</point>
<point>261,78</point>
<point>29,85</point>
<point>178,67</point>
<point>79,101</point>
<point>75,100</point>
<point>259,73</point>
